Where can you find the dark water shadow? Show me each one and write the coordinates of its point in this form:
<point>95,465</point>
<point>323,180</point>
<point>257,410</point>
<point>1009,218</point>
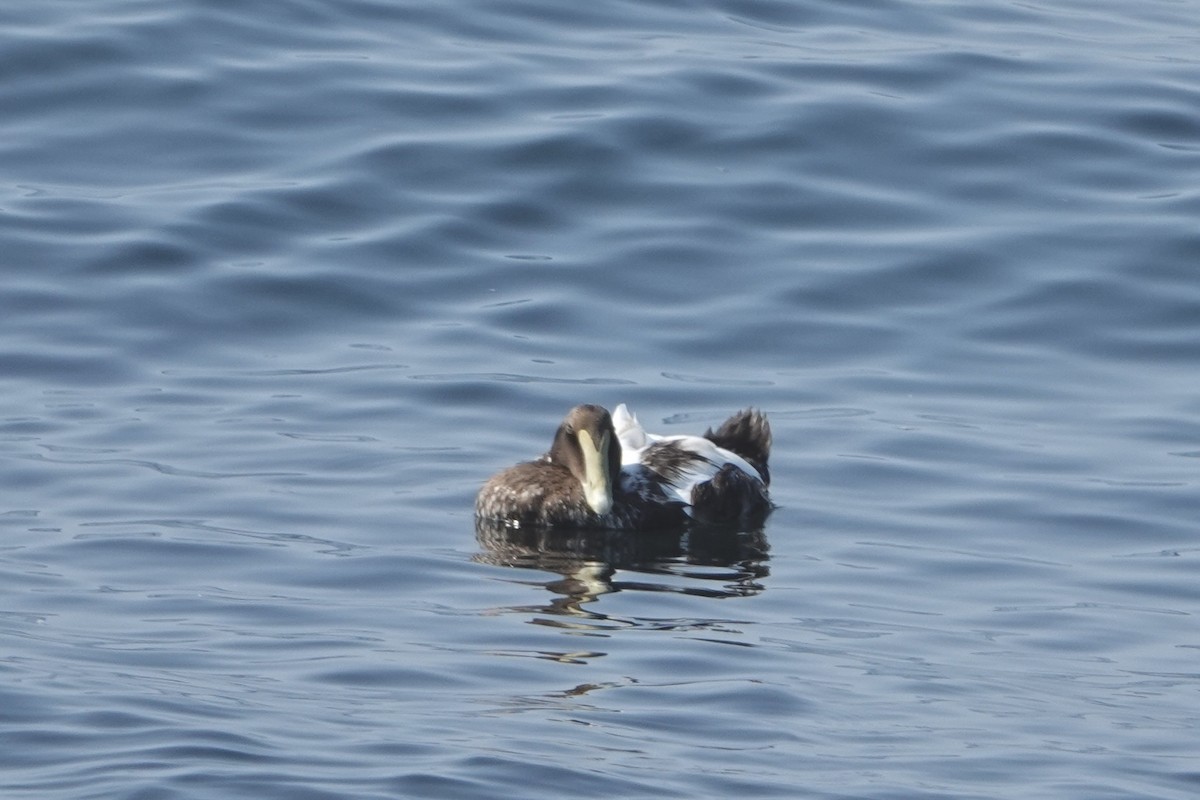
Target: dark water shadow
<point>701,561</point>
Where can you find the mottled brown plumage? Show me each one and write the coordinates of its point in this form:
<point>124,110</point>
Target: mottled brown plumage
<point>550,491</point>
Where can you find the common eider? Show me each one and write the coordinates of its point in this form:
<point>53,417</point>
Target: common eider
<point>606,471</point>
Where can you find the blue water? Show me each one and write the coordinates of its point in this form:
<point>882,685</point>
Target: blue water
<point>283,283</point>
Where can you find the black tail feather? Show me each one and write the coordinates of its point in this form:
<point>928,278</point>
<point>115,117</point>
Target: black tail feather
<point>748,434</point>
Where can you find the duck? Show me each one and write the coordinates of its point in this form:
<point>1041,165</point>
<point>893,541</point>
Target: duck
<point>605,471</point>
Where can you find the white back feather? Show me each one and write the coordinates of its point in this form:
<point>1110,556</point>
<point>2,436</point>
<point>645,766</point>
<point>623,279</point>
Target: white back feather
<point>630,433</point>
<point>708,461</point>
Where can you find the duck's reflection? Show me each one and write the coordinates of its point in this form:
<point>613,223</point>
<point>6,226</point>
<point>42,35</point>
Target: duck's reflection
<point>701,561</point>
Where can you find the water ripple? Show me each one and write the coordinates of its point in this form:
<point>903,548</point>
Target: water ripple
<point>281,292</point>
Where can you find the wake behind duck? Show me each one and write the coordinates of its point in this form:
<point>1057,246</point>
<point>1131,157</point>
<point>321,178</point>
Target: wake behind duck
<point>606,471</point>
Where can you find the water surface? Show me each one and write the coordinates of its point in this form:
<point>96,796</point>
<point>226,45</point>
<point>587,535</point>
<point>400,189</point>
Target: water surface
<point>285,283</point>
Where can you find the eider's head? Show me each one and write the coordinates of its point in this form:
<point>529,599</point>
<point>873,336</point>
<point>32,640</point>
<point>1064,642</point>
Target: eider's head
<point>587,445</point>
